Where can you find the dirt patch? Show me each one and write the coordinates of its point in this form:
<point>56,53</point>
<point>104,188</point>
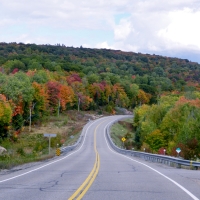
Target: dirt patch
<point>66,124</point>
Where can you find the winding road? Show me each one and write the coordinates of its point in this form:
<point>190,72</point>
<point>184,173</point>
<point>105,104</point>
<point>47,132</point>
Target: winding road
<point>107,174</point>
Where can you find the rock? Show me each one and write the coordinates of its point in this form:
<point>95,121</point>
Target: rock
<point>2,150</point>
<point>122,111</point>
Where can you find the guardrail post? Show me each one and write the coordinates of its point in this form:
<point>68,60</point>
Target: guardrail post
<point>178,165</point>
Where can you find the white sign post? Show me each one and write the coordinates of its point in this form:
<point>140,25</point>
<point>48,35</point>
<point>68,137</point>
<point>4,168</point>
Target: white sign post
<point>49,135</point>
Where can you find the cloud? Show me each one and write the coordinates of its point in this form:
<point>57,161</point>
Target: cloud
<point>183,29</point>
<point>123,29</point>
<point>143,26</point>
<point>103,45</point>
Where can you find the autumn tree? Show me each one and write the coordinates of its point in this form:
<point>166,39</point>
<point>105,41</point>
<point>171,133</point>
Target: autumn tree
<point>54,88</point>
<point>59,95</point>
<point>5,116</point>
<point>67,96</point>
<point>155,140</point>
<point>10,65</point>
<point>40,102</point>
<point>143,97</point>
<point>19,90</point>
<point>119,96</point>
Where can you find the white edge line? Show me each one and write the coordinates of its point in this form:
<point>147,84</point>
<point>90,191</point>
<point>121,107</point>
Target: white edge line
<point>55,160</point>
<point>180,186</point>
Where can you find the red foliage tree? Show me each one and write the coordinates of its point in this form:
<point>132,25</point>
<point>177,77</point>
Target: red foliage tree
<point>74,77</point>
<point>54,88</point>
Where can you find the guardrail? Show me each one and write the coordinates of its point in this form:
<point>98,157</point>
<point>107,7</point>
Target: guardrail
<point>72,147</point>
<point>172,161</point>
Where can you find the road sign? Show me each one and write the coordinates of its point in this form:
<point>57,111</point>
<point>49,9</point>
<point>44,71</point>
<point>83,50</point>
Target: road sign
<point>49,135</point>
<point>123,139</point>
<point>178,150</point>
<point>58,152</point>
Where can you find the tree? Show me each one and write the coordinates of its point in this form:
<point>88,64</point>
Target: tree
<point>67,96</point>
<point>119,96</point>
<point>159,71</point>
<point>18,85</point>
<point>97,92</point>
<point>73,77</point>
<point>40,76</point>
<point>18,90</point>
<point>10,65</point>
<point>54,88</point>
<point>93,78</point>
<point>84,101</point>
<point>155,140</point>
<point>40,98</point>
<point>143,98</point>
<point>59,95</point>
<point>5,116</point>
<point>34,65</point>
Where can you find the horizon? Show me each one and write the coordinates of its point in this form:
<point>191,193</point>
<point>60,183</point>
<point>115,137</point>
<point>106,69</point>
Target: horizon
<point>81,46</point>
<point>163,28</point>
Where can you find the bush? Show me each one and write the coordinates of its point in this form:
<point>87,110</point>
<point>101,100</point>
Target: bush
<point>21,151</point>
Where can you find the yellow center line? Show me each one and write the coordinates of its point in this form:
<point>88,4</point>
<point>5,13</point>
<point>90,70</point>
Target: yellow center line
<point>81,191</point>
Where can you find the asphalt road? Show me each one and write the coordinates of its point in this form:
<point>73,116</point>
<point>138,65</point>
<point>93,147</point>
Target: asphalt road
<point>119,177</point>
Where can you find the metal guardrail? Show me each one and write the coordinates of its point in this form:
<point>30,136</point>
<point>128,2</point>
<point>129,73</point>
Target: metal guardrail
<point>153,157</point>
<point>146,156</point>
<point>67,149</point>
<point>72,147</point>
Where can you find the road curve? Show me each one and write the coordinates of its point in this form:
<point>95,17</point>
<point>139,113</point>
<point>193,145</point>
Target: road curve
<point>119,177</point>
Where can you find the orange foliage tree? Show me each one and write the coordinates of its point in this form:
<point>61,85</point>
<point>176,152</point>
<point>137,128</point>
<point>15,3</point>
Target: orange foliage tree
<point>66,96</point>
<point>143,97</point>
<point>59,95</point>
<point>40,96</point>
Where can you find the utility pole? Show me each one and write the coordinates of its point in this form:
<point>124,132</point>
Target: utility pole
<point>30,112</point>
<point>78,104</point>
<point>58,107</point>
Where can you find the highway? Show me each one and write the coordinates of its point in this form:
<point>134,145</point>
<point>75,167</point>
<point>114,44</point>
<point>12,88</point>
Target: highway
<point>117,176</point>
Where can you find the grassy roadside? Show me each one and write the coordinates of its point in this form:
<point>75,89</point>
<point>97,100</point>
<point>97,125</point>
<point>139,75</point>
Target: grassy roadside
<point>33,146</point>
<point>123,129</point>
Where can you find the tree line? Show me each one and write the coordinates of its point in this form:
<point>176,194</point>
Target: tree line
<point>171,123</point>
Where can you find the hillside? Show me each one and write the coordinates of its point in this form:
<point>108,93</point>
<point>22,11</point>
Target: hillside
<point>99,61</point>
<point>39,81</point>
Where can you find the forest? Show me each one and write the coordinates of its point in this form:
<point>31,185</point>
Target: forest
<point>37,81</point>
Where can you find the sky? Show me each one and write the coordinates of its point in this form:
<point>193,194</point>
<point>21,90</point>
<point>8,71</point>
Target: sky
<point>168,28</point>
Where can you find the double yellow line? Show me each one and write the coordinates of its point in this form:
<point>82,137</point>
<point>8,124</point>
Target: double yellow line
<point>80,192</point>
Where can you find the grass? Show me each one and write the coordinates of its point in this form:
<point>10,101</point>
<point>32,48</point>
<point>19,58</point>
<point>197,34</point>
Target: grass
<point>72,140</point>
<point>122,129</point>
<point>27,148</point>
<point>117,132</point>
<point>31,147</point>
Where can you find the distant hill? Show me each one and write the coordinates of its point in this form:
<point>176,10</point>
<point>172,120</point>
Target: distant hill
<point>99,61</point>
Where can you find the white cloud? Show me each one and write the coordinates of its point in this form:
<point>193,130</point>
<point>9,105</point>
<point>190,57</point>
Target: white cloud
<point>151,26</point>
<point>103,45</point>
<point>183,28</point>
<point>126,47</point>
<point>123,29</point>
